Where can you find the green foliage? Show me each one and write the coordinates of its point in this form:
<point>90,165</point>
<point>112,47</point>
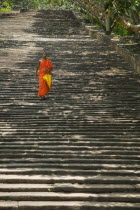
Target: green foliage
<point>41,4</point>
<point>118,29</point>
<point>90,19</point>
<point>119,7</point>
<point>5,10</point>
<point>30,4</point>
<point>5,7</point>
<point>64,4</point>
<point>36,4</point>
<point>109,12</point>
<point>121,31</point>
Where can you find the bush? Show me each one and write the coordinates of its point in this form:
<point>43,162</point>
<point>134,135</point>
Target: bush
<point>29,4</point>
<point>121,31</point>
<point>6,7</point>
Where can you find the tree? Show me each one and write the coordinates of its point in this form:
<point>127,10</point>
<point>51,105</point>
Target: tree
<point>106,12</point>
<point>110,12</point>
<point>126,13</point>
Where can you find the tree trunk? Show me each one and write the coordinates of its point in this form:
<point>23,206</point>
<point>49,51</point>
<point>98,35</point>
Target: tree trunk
<point>108,24</point>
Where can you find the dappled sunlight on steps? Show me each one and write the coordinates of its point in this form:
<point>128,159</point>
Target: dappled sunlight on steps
<point>80,148</point>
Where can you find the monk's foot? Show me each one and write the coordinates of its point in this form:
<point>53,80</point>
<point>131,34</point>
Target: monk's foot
<point>42,98</point>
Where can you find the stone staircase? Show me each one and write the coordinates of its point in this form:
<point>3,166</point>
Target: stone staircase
<point>79,149</point>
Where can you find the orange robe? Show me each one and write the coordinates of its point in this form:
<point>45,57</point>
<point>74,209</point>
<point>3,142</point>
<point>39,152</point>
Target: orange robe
<point>43,87</point>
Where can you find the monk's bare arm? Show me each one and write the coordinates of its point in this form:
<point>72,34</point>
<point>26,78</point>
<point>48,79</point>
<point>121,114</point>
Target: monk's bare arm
<point>37,68</point>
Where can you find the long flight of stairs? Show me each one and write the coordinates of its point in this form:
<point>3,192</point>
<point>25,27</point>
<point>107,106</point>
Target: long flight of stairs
<point>80,148</point>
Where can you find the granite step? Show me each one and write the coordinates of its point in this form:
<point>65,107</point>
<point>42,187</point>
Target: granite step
<point>52,179</point>
<point>73,172</point>
<point>54,196</point>
<point>59,205</point>
<point>79,149</point>
<point>69,188</point>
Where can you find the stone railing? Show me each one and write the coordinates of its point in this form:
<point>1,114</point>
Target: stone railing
<point>130,57</point>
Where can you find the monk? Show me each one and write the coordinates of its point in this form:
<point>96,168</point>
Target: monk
<point>44,68</point>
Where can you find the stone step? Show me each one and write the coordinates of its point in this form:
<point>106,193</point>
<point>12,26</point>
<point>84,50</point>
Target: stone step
<point>72,163</point>
<point>68,148</point>
<point>69,188</point>
<point>96,93</point>
<point>58,137</point>
<point>9,90</point>
<point>57,140</point>
<point>68,205</point>
<point>75,89</point>
<point>51,179</point>
<point>74,136</point>
<point>41,122</point>
<point>35,99</point>
<point>69,92</point>
<point>79,149</point>
<point>89,159</point>
<point>67,131</point>
<point>70,143</point>
<point>60,153</point>
<point>71,138</point>
<point>73,158</point>
<point>94,165</point>
<point>80,128</point>
<point>54,196</point>
<point>24,170</point>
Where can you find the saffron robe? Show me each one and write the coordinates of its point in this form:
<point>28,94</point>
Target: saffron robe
<point>44,88</point>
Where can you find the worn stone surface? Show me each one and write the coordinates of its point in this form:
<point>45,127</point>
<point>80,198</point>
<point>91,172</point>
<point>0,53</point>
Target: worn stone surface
<point>127,47</point>
<point>81,146</point>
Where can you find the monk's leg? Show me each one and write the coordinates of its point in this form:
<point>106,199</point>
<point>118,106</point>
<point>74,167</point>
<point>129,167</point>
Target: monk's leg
<point>43,87</point>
